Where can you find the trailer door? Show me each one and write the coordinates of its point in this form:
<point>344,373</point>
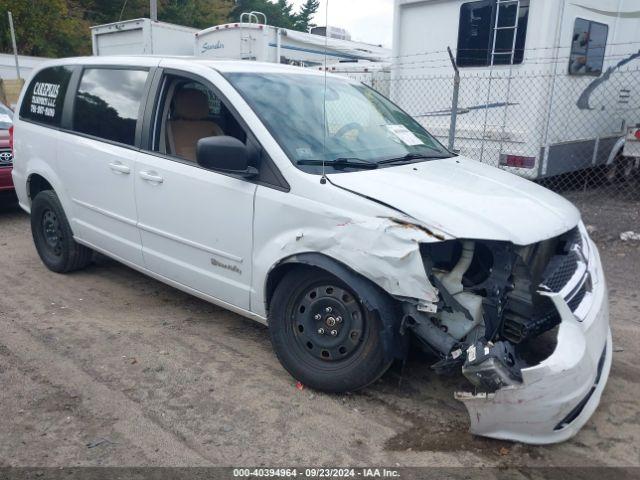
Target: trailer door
<point>124,42</point>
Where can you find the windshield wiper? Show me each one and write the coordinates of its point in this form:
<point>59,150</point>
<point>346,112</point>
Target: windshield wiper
<point>341,163</point>
<point>411,157</point>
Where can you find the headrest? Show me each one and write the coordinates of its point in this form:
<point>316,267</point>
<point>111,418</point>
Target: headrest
<point>191,104</point>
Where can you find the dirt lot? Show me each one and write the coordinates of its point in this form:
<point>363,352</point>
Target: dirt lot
<point>108,367</point>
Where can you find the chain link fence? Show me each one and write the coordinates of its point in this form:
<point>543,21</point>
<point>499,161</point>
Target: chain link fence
<point>566,132</point>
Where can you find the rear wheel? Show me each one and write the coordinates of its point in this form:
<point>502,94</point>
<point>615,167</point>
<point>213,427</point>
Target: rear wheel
<point>53,237</point>
<point>621,169</point>
<point>323,335</point>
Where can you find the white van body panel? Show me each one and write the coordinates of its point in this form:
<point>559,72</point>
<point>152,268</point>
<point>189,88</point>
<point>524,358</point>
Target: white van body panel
<point>470,198</point>
<point>104,210</point>
<point>202,239</point>
<point>219,237</point>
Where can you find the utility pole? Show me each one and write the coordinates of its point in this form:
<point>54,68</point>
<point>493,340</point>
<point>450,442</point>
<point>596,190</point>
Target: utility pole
<point>15,47</point>
<point>153,8</point>
<point>454,106</point>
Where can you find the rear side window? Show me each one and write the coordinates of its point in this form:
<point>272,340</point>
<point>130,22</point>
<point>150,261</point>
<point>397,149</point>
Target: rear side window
<point>588,47</point>
<point>107,104</point>
<point>44,98</point>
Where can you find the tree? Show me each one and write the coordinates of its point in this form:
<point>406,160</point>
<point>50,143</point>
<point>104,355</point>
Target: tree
<point>45,28</point>
<point>191,13</point>
<point>306,14</point>
<point>99,12</point>
<point>195,13</point>
<point>279,13</point>
<point>60,28</point>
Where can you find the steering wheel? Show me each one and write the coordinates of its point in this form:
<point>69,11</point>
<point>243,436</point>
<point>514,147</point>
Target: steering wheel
<point>349,127</point>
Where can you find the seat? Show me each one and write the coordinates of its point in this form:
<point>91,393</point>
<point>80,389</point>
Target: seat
<point>189,123</point>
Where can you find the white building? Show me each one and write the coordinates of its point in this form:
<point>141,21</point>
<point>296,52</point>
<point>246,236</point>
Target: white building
<point>8,66</point>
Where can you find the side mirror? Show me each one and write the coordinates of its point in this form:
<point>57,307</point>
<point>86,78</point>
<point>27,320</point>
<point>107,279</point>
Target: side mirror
<point>225,155</point>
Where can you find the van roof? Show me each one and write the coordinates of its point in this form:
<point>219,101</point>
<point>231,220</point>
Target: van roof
<point>223,66</point>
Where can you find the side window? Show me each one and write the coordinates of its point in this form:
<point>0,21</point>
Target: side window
<point>588,47</point>
<point>189,111</point>
<point>492,33</point>
<point>44,98</point>
<point>107,104</point>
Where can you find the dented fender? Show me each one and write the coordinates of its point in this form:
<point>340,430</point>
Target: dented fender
<point>385,249</point>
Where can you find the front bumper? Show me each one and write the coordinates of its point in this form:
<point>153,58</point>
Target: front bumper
<point>558,396</point>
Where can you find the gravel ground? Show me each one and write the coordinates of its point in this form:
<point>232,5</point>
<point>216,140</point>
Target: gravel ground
<point>108,367</point>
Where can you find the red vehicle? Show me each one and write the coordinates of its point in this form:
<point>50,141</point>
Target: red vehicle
<point>6,155</point>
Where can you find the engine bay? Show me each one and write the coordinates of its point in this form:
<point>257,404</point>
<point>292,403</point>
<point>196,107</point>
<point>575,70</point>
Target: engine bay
<point>495,316</point>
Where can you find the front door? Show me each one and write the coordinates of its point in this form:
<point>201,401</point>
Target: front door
<point>196,224</point>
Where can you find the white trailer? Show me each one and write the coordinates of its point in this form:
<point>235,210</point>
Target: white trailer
<point>142,36</point>
<point>375,74</point>
<point>265,43</point>
<point>548,86</point>
<point>632,144</point>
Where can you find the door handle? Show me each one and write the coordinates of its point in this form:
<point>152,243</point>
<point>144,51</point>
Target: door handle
<point>151,177</point>
<point>118,167</point>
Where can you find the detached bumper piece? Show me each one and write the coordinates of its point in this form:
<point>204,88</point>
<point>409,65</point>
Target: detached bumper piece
<point>491,367</point>
<point>538,348</point>
<point>556,397</point>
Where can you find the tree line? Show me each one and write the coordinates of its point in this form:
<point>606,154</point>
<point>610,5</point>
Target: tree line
<point>60,28</point>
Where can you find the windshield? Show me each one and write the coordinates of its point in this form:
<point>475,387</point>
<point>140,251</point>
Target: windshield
<point>6,118</point>
<point>363,129</point>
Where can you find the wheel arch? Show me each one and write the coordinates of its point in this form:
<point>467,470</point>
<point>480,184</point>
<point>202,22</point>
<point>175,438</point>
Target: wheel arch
<point>374,298</point>
<point>41,176</point>
<point>41,179</point>
<point>37,183</point>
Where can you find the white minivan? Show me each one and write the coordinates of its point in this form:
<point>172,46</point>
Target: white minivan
<point>313,204</point>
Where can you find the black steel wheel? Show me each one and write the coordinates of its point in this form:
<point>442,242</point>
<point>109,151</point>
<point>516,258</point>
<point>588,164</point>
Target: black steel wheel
<point>323,334</point>
<point>52,231</point>
<point>328,322</point>
<point>53,237</point>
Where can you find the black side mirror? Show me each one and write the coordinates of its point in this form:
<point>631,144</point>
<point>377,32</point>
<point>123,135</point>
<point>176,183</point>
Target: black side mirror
<point>225,155</point>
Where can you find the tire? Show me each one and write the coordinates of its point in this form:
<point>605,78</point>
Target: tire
<point>628,168</point>
<point>53,237</point>
<point>339,357</point>
<point>620,170</point>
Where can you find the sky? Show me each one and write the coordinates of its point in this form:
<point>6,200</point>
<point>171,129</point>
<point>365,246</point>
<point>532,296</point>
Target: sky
<point>368,21</point>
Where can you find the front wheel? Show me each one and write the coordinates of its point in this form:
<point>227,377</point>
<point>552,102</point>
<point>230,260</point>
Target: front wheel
<point>323,335</point>
<point>53,237</point>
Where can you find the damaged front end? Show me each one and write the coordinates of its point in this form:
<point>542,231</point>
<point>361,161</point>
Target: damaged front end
<point>527,326</point>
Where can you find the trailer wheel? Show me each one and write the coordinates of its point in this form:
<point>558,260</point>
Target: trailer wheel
<point>620,170</point>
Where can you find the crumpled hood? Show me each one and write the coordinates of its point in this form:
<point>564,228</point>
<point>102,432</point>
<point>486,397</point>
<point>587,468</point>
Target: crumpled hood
<point>467,199</point>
